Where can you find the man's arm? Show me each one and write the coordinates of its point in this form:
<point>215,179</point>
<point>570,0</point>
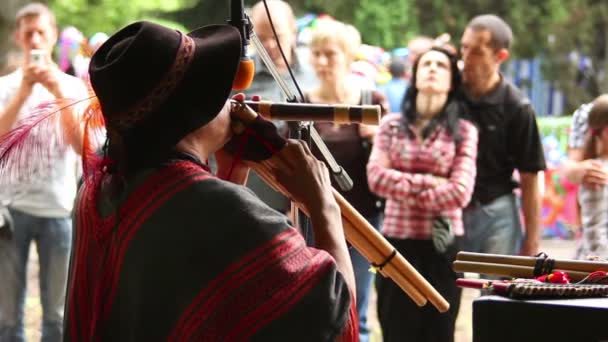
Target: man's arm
<point>587,172</point>
<point>530,195</point>
<point>70,121</point>
<point>9,114</point>
<point>579,171</point>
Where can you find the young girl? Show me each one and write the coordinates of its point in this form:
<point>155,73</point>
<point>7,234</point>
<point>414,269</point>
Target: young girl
<point>594,200</point>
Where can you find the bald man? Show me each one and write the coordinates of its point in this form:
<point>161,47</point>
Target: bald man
<point>264,84</point>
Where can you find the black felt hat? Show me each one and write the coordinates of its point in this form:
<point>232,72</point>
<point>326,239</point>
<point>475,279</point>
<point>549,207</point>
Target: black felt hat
<point>155,84</point>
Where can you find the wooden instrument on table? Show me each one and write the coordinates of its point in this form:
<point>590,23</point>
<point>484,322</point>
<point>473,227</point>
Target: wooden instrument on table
<point>535,290</point>
<point>361,235</point>
<point>524,266</point>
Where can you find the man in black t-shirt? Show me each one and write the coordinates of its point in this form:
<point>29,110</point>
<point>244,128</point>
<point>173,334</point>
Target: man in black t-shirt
<point>508,140</point>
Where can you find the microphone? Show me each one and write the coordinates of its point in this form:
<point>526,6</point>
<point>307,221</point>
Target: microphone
<point>369,115</point>
<point>246,69</point>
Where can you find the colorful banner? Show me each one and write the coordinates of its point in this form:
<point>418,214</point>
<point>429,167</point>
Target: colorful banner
<point>560,217</point>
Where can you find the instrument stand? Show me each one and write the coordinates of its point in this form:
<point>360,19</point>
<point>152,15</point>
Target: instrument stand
<point>306,132</point>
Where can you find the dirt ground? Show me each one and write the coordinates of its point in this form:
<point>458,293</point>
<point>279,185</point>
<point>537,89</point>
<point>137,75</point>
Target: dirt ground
<point>464,324</point>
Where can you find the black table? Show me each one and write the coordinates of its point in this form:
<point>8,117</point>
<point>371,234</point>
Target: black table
<point>498,318</point>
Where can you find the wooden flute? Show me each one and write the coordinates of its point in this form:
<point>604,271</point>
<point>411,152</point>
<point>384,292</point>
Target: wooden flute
<point>361,235</point>
<point>557,264</point>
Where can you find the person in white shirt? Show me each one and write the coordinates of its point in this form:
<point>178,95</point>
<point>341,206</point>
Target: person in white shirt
<point>40,209</point>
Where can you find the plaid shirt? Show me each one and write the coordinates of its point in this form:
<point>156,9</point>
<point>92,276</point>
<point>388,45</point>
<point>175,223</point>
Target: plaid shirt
<point>403,170</point>
<point>578,131</point>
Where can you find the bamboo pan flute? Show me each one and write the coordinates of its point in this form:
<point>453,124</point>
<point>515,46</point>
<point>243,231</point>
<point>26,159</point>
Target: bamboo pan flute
<point>361,235</point>
<point>523,266</point>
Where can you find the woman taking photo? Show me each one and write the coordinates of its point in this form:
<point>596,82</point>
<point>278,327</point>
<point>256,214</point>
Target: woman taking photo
<point>423,163</point>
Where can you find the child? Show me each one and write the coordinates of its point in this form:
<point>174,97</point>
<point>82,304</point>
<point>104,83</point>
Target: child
<point>594,200</point>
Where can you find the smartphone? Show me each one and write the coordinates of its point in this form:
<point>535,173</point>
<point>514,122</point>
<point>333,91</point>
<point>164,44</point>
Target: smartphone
<point>38,56</point>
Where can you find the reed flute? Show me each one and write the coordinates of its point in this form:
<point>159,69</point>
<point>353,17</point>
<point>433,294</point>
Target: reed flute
<point>368,114</point>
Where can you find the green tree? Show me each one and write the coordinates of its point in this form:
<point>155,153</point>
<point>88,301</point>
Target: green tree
<point>91,16</point>
<point>386,23</point>
<point>576,37</point>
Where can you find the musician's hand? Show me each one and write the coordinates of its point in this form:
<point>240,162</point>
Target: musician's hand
<point>368,131</point>
<point>305,178</point>
<point>228,169</point>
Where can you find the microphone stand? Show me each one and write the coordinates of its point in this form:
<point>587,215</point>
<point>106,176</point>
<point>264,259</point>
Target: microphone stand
<point>307,132</point>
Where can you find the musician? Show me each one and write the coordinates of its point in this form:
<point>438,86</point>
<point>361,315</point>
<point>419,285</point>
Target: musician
<point>164,249</point>
<point>423,163</point>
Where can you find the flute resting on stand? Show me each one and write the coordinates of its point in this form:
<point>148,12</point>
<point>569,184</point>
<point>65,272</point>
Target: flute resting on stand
<point>261,146</point>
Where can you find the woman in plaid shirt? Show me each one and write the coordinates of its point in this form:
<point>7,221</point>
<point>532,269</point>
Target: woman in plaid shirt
<point>423,163</point>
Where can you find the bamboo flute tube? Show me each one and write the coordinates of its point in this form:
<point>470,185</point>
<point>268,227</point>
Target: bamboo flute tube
<point>376,239</point>
<point>562,264</point>
<point>389,270</point>
<point>507,270</point>
<point>358,241</point>
<point>397,268</point>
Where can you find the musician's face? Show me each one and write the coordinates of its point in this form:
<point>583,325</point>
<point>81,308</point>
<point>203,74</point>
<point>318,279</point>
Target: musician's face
<point>218,130</point>
<point>434,74</point>
<point>329,61</point>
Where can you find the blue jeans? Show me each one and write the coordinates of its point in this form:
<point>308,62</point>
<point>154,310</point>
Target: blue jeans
<point>363,281</point>
<point>494,227</point>
<point>53,238</point>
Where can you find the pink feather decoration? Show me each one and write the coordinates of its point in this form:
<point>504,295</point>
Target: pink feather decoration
<point>28,150</point>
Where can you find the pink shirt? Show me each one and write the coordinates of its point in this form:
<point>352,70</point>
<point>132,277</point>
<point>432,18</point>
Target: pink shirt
<point>408,183</point>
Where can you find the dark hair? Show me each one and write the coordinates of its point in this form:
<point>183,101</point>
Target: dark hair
<point>500,31</point>
<point>597,121</point>
<point>453,107</point>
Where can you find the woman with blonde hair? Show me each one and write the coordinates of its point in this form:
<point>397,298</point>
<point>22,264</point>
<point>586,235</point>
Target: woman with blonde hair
<point>333,48</point>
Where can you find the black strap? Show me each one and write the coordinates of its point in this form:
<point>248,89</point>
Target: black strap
<point>380,266</point>
<point>544,264</point>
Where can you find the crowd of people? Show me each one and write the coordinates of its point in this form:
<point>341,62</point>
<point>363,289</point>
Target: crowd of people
<point>163,246</point>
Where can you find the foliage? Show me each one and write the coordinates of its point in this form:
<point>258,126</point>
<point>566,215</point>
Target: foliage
<point>577,36</point>
<point>92,16</point>
<point>564,33</point>
<point>386,23</point>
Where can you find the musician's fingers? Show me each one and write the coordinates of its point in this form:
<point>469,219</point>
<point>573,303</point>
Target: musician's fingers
<point>239,97</point>
<point>292,154</point>
<point>305,147</point>
<point>325,171</point>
